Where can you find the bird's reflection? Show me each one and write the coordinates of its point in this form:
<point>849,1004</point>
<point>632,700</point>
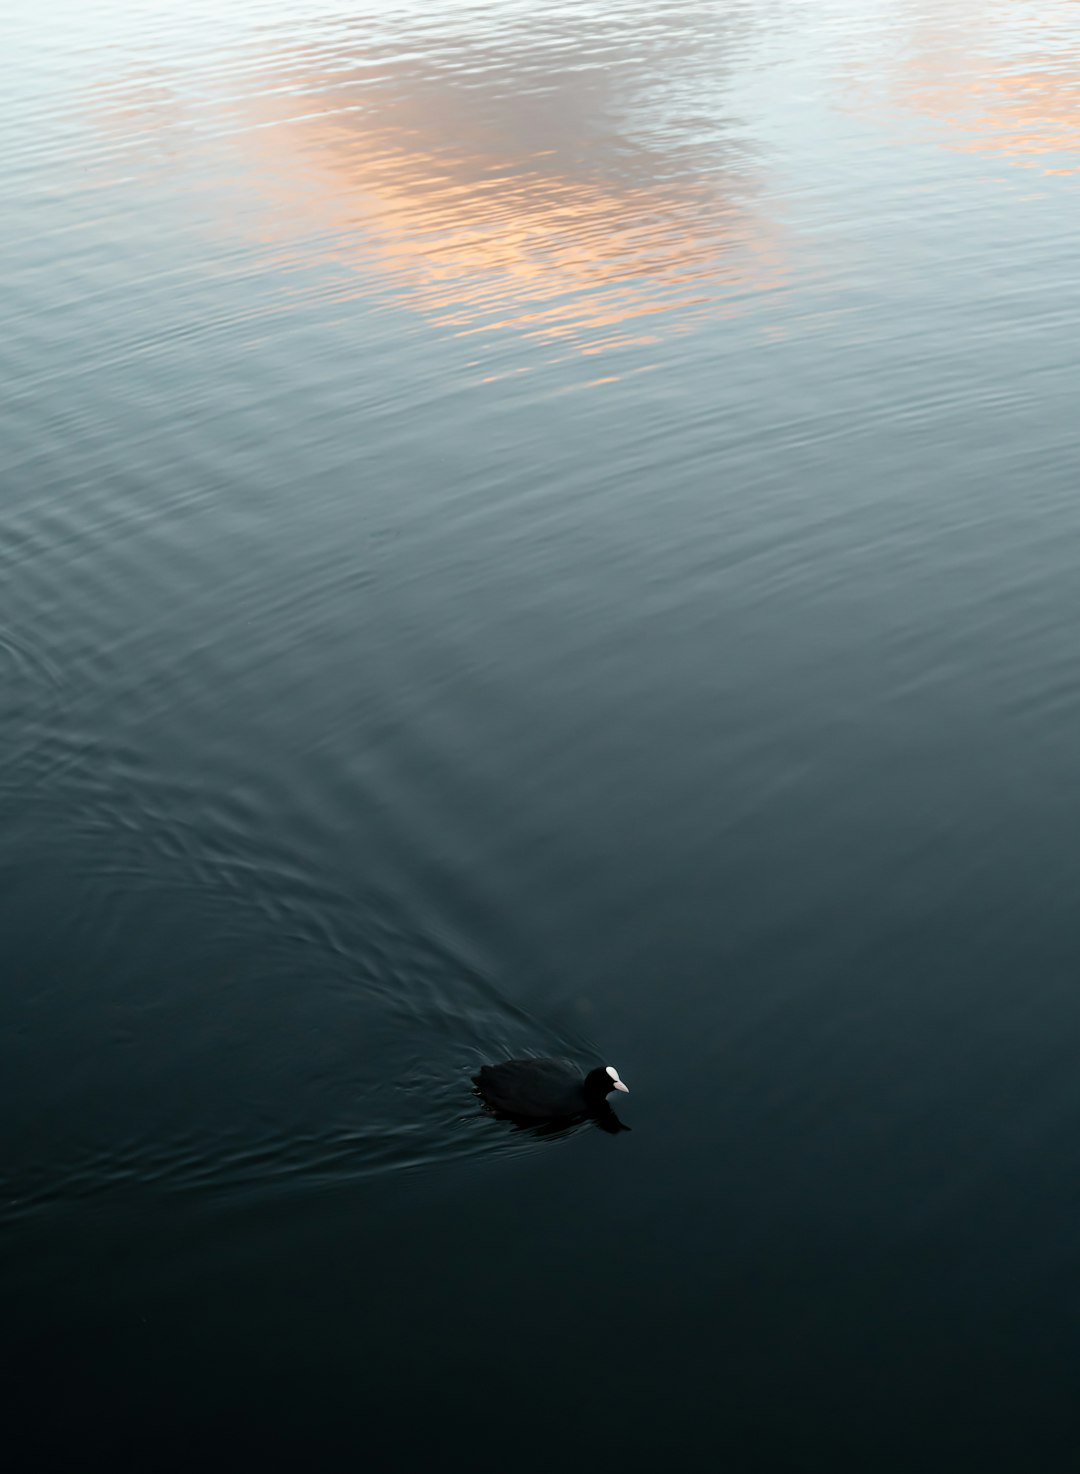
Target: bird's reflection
<point>604,1119</point>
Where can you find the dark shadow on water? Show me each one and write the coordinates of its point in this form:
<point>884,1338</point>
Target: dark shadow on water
<point>603,1119</point>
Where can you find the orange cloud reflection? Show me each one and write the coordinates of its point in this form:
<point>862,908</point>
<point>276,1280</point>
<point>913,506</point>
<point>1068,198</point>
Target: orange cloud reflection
<point>996,93</point>
<point>504,194</point>
<point>481,246</point>
<point>484,241</point>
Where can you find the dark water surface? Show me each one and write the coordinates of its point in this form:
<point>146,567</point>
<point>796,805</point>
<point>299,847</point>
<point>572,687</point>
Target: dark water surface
<point>541,528</point>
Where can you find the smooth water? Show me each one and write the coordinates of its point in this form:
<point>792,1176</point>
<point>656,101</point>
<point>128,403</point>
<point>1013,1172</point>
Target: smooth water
<point>541,529</point>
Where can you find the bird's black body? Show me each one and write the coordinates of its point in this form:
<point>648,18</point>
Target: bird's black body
<point>545,1089</point>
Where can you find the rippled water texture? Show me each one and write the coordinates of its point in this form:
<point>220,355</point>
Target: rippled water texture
<point>541,529</point>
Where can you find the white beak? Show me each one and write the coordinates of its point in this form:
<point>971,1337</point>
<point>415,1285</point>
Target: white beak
<point>620,1086</point>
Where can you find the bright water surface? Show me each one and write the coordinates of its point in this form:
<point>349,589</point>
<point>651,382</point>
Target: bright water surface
<point>541,528</point>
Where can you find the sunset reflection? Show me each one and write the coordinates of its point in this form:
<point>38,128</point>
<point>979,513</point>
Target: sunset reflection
<point>525,188</point>
<point>480,244</point>
<point>978,75</point>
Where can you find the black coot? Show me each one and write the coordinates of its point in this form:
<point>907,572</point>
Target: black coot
<point>547,1089</point>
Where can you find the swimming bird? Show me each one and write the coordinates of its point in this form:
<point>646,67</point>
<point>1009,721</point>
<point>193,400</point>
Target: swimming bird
<point>547,1089</point>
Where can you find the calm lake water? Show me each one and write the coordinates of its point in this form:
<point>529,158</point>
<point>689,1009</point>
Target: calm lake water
<point>541,528</point>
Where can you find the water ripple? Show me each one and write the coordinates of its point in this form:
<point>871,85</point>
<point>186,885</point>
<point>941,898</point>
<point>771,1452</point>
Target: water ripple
<point>31,684</point>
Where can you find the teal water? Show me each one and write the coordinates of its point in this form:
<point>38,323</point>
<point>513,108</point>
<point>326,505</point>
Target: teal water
<point>540,529</point>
